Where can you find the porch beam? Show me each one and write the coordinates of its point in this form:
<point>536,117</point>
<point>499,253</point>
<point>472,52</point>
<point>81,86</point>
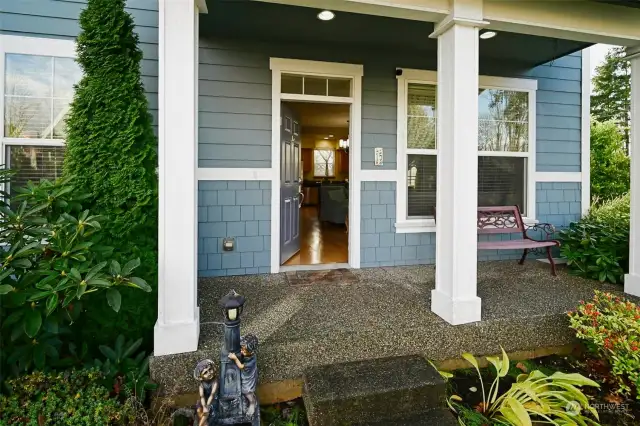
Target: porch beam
<point>632,279</point>
<point>178,326</point>
<point>586,21</point>
<point>455,296</point>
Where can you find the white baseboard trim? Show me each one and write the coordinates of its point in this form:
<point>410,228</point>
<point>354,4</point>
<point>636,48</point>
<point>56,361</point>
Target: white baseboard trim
<point>456,312</point>
<point>176,338</point>
<point>632,284</point>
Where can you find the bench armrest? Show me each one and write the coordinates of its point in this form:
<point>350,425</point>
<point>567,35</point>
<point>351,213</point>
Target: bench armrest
<point>546,228</point>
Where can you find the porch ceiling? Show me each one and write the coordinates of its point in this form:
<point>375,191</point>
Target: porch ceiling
<point>246,19</point>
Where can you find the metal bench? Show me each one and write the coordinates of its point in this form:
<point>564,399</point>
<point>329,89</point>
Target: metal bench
<point>508,220</point>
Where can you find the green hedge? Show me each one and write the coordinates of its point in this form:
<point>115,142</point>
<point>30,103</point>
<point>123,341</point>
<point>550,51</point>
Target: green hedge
<point>65,398</point>
<point>597,246</point>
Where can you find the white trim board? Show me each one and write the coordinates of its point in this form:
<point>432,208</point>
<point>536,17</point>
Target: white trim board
<point>585,124</point>
<point>354,72</point>
<point>204,173</point>
<point>558,177</point>
<point>378,175</point>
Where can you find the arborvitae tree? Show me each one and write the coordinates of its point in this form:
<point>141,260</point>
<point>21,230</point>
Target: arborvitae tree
<point>111,148</point>
<point>111,153</point>
<point>611,98</point>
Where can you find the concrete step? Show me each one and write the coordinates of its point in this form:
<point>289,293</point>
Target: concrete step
<point>364,392</point>
<point>439,417</point>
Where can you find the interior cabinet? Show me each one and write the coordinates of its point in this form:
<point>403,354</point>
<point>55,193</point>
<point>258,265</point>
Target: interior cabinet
<point>307,160</point>
<point>344,161</point>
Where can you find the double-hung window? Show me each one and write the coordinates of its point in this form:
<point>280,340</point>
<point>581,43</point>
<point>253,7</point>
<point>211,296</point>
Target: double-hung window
<point>37,88</point>
<point>506,148</point>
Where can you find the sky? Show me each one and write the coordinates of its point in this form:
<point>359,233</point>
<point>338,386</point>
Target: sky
<point>598,52</point>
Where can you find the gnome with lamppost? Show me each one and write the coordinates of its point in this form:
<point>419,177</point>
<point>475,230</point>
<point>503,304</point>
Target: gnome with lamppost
<point>235,401</point>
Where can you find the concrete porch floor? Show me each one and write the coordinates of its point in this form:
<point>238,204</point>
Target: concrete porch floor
<point>369,313</point>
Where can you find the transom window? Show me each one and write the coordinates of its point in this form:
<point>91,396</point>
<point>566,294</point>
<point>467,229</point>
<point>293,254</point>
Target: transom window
<point>504,152</point>
<point>324,162</point>
<point>37,90</point>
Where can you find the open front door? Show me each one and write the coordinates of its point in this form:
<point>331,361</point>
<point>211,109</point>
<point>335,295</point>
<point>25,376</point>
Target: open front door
<point>290,184</point>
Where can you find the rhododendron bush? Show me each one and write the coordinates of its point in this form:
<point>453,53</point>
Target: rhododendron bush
<point>610,327</point>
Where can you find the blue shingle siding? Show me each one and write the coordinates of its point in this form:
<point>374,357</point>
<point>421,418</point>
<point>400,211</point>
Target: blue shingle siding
<point>558,203</point>
<point>237,209</point>
<point>379,244</point>
<point>59,19</point>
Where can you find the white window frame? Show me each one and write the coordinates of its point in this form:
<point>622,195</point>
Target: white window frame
<point>406,225</point>
<point>29,46</point>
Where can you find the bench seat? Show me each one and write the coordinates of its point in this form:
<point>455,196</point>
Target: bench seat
<point>508,220</point>
<point>514,244</point>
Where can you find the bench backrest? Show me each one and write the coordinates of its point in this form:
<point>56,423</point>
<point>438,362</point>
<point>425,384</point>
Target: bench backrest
<point>500,220</point>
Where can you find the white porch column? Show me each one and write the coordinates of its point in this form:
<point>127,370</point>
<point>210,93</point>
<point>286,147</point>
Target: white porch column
<point>455,297</point>
<point>178,326</point>
<point>632,279</point>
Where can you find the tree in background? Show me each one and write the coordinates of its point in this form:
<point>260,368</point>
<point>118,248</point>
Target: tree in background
<point>611,98</point>
<point>111,151</point>
<point>609,162</point>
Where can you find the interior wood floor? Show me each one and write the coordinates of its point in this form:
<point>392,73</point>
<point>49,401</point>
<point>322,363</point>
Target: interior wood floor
<point>320,242</point>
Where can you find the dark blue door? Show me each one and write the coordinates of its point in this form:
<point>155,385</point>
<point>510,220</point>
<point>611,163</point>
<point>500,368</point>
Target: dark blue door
<point>290,184</point>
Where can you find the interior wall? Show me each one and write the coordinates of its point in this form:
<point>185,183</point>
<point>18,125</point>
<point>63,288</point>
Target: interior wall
<point>314,138</point>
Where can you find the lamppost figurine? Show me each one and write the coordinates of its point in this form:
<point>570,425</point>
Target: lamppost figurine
<point>248,370</point>
<point>232,400</point>
<point>205,372</point>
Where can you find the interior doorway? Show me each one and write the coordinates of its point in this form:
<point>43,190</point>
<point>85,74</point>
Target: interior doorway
<point>315,182</point>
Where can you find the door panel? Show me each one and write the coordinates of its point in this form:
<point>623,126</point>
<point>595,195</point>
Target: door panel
<point>290,184</point>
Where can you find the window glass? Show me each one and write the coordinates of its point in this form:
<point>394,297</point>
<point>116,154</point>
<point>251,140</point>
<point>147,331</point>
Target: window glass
<point>33,163</point>
<point>340,87</point>
<point>38,90</point>
<point>315,86</point>
<point>324,162</point>
<point>291,84</point>
<point>503,126</point>
<point>421,116</point>
<point>503,120</point>
<point>501,181</point>
<point>421,191</point>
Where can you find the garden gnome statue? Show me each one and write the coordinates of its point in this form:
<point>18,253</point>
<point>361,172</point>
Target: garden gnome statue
<point>235,401</point>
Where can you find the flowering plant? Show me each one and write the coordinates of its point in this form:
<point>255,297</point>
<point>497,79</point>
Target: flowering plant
<point>610,325</point>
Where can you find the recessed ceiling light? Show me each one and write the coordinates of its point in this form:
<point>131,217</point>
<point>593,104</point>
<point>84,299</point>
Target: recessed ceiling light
<point>326,137</point>
<point>330,136</point>
<point>488,34</point>
<point>326,15</point>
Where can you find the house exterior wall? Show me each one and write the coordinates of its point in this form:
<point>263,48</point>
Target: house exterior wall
<point>237,209</point>
<point>235,131</point>
<point>59,19</point>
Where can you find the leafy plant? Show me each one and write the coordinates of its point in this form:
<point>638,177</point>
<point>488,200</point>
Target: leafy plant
<point>534,397</point>
<point>69,398</point>
<point>597,246</point>
<point>112,152</point>
<point>126,367</point>
<point>610,326</point>
<point>52,260</point>
<point>610,164</point>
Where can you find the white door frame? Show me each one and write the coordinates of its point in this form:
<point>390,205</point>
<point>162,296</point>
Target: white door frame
<point>281,66</point>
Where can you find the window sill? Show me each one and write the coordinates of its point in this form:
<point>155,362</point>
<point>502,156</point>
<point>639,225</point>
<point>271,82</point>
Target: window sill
<point>429,225</point>
<point>415,226</point>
